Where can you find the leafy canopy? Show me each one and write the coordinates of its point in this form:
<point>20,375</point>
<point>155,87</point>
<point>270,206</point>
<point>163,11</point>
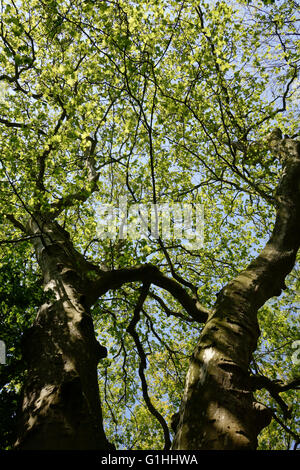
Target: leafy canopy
<point>160,101</point>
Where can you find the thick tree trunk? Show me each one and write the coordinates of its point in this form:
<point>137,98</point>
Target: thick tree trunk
<point>218,410</point>
<point>61,406</point>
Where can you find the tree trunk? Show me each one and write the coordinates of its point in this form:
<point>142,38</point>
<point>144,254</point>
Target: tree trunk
<point>61,407</point>
<point>218,410</point>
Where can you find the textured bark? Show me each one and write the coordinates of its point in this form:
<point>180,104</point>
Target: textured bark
<point>61,406</point>
<point>218,409</point>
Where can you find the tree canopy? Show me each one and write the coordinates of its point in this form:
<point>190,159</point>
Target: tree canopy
<point>160,102</point>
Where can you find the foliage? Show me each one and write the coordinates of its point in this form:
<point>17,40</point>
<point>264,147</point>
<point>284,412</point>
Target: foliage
<point>158,98</point>
<point>20,295</point>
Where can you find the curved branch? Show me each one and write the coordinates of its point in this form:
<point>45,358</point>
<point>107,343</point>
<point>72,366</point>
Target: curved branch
<point>114,279</point>
<point>143,364</point>
<point>274,387</point>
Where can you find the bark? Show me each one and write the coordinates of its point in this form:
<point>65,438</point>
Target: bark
<point>218,410</point>
<point>61,408</point>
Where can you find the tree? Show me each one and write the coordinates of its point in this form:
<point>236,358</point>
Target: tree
<point>157,102</point>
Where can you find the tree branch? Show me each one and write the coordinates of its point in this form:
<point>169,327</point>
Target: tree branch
<point>114,279</point>
<point>143,363</point>
<point>18,240</point>
<point>295,436</point>
<point>15,222</point>
<point>70,199</point>
<point>274,387</point>
<point>265,275</point>
<point>168,311</point>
